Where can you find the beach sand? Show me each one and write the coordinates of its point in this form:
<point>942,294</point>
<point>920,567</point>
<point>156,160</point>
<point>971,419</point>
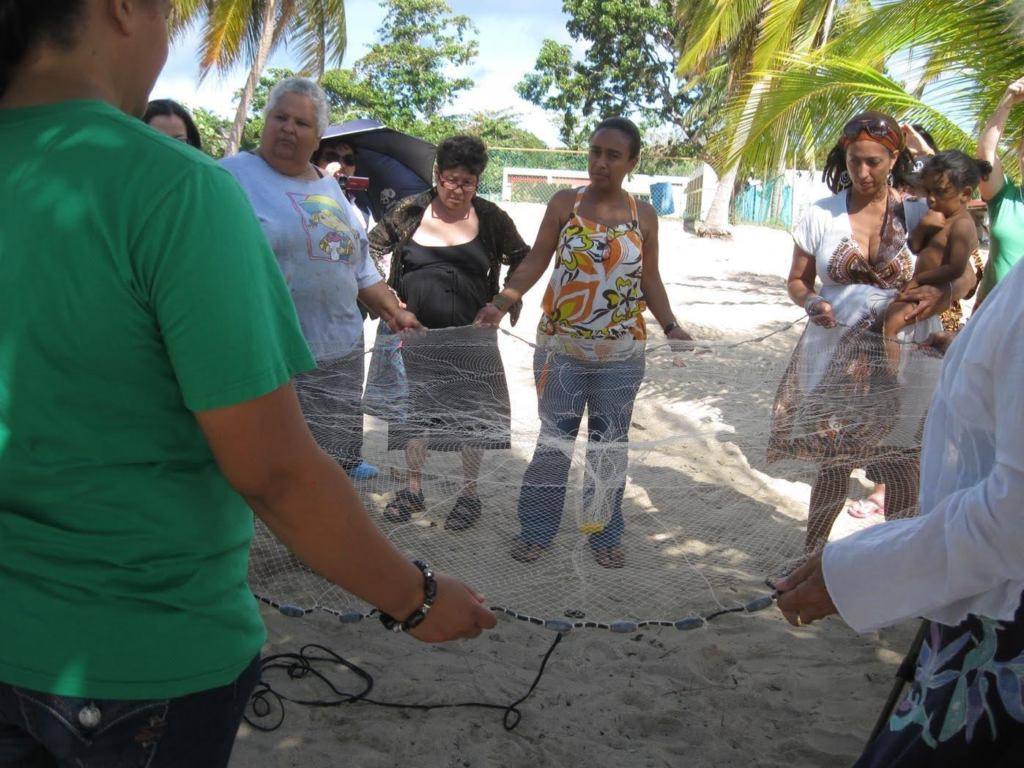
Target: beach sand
<point>746,689</point>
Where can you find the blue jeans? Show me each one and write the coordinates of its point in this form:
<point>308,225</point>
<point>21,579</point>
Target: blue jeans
<point>565,387</point>
<point>42,730</point>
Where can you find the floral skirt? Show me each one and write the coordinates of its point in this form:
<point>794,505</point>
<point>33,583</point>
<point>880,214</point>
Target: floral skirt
<point>966,705</point>
<point>846,415</point>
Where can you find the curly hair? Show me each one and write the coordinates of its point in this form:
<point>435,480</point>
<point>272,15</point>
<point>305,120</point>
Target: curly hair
<point>960,169</point>
<point>466,152</point>
<point>835,163</point>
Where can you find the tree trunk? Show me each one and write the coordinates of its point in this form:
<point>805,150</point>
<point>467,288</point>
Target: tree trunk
<point>778,191</point>
<point>717,222</point>
<point>262,54</point>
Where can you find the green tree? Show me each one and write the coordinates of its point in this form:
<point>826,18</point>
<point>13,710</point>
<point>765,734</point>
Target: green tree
<point>248,32</point>
<point>499,128</point>
<point>403,81</point>
<point>721,42</point>
<point>954,59</point>
<point>214,131</point>
<point>628,68</point>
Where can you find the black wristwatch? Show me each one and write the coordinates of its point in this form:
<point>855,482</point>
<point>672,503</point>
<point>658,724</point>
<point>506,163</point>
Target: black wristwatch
<point>416,617</point>
<point>670,327</point>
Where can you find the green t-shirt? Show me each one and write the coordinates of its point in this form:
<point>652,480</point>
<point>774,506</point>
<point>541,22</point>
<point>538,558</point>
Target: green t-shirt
<point>136,287</point>
<point>1006,219</point>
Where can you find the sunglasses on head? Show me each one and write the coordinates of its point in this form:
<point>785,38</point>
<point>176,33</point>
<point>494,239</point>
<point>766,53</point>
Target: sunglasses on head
<point>879,130</point>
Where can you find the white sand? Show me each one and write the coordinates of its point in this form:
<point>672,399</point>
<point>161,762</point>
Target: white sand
<point>746,690</point>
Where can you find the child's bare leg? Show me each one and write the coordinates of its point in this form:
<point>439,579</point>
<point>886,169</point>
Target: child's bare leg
<point>895,321</point>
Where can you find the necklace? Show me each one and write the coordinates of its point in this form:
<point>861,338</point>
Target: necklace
<point>439,215</point>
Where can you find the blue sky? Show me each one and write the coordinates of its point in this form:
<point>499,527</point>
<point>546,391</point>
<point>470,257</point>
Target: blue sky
<point>509,43</point>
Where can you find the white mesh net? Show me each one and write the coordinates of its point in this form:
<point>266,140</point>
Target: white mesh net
<point>669,510</point>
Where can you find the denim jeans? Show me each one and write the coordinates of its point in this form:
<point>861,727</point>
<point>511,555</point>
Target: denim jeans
<point>565,387</point>
<point>42,730</point>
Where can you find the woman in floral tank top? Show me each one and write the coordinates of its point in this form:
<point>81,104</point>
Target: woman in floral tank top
<point>590,350</point>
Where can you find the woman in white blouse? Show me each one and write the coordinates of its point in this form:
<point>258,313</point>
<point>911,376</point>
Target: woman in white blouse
<point>836,405</point>
<point>960,564</point>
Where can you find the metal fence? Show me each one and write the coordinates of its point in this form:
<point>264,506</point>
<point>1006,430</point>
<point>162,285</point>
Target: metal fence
<point>765,203</point>
<point>675,186</point>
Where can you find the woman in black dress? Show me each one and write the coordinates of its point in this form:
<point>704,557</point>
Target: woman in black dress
<point>448,247</point>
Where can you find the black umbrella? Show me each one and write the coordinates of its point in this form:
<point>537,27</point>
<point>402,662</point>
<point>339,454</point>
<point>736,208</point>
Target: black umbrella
<point>397,164</point>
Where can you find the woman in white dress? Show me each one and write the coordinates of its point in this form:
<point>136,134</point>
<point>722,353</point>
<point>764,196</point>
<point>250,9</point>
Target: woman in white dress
<point>837,404</point>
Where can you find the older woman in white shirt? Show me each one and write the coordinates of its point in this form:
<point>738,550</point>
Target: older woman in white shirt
<point>960,565</point>
<point>321,247</point>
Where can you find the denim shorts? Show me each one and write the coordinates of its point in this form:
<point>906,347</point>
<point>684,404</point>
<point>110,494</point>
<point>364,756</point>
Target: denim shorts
<point>44,730</point>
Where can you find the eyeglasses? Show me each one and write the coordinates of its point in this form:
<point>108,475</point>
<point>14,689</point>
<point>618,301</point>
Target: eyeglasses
<point>878,130</point>
<point>452,184</point>
<point>335,157</point>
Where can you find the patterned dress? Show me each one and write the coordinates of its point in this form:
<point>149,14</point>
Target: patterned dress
<point>838,399</point>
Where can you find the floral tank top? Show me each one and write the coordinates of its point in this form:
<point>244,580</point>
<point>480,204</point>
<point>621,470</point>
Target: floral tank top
<point>594,294</point>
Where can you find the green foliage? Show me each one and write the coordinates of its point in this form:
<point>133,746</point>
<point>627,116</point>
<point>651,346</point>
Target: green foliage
<point>628,68</point>
<point>404,80</point>
<point>499,128</point>
<point>232,29</point>
<point>213,129</point>
<point>943,64</point>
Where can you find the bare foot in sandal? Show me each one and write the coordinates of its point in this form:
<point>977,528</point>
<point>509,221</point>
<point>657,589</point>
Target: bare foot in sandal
<point>404,506</point>
<point>610,557</point>
<point>526,551</point>
<point>464,514</point>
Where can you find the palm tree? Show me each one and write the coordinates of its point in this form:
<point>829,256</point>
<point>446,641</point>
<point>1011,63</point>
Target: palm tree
<point>236,31</point>
<point>721,42</point>
<point>955,58</point>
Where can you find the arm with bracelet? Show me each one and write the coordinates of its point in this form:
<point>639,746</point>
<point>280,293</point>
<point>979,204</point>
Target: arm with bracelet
<point>534,265</point>
<point>651,283</point>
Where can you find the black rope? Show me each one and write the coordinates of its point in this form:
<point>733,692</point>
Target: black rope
<point>300,665</point>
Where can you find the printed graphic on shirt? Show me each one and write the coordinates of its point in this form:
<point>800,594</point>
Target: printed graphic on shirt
<point>329,236</point>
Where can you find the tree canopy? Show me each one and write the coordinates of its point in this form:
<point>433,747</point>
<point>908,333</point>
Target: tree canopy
<point>628,68</point>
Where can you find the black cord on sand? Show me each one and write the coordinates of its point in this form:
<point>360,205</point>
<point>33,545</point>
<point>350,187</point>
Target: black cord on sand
<point>300,665</point>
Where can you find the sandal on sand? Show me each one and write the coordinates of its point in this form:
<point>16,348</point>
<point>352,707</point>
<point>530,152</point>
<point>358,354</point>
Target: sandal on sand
<point>464,514</point>
<point>610,557</point>
<point>865,508</point>
<point>526,551</point>
<point>405,503</point>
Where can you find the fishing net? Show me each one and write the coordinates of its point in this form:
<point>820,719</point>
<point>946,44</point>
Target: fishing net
<point>652,483</point>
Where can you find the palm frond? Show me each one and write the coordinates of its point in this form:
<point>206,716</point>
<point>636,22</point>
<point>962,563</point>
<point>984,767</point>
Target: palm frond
<point>831,89</point>
<point>229,28</point>
<point>320,36</point>
<point>711,27</point>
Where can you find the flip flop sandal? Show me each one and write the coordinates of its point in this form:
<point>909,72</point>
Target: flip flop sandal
<point>403,506</point>
<point>526,551</point>
<point>464,514</point>
<point>865,508</point>
<point>610,557</point>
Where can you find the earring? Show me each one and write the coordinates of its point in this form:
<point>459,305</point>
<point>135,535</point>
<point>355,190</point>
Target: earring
<point>889,179</point>
<point>844,180</point>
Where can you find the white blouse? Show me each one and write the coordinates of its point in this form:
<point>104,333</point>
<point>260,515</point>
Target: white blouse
<point>965,553</point>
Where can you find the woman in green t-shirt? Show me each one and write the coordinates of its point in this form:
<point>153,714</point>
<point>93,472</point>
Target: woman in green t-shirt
<point>147,346</point>
<point>1004,198</point>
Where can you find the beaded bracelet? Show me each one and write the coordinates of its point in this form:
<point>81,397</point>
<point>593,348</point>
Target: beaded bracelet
<point>416,617</point>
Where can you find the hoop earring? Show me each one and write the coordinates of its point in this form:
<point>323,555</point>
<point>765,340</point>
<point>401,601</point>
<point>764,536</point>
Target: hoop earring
<point>889,179</point>
<point>844,180</point>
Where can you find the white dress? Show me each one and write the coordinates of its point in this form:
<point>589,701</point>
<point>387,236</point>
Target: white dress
<point>837,399</point>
